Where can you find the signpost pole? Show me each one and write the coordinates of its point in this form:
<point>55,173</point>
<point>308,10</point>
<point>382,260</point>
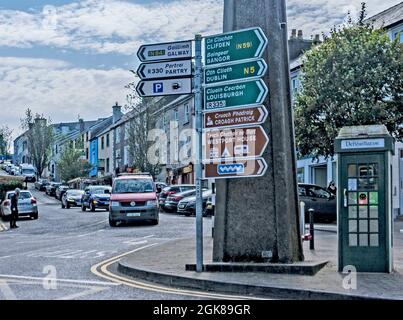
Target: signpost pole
<point>198,96</point>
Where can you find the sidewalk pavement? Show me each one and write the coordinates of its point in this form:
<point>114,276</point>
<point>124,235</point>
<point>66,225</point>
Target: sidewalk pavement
<point>165,264</point>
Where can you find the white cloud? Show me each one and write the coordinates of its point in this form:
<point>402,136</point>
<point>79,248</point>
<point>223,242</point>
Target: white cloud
<point>53,88</point>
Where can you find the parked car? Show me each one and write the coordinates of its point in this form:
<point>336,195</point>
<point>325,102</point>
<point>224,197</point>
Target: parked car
<point>60,190</point>
<point>322,201</point>
<point>51,188</point>
<point>172,190</point>
<point>27,205</point>
<point>210,206</point>
<point>133,198</point>
<point>41,184</point>
<point>5,164</point>
<point>96,197</point>
<point>72,198</point>
<point>28,171</point>
<point>14,170</point>
<point>160,186</point>
<point>171,202</point>
<point>8,166</point>
<point>187,206</point>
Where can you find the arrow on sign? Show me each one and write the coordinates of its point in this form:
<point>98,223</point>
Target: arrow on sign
<point>167,69</point>
<point>240,168</point>
<point>165,51</point>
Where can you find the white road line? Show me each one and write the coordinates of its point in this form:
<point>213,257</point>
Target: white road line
<point>6,291</point>
<point>3,257</point>
<point>83,294</point>
<point>74,281</point>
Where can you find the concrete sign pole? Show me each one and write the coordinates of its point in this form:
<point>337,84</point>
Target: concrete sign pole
<point>257,218</point>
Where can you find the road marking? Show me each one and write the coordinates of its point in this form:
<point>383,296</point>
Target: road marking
<point>83,294</point>
<point>74,281</point>
<point>134,242</point>
<point>106,274</point>
<point>96,223</point>
<point>6,290</point>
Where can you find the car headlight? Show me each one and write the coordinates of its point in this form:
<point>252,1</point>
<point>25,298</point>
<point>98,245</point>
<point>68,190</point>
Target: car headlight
<point>115,203</point>
<point>151,202</point>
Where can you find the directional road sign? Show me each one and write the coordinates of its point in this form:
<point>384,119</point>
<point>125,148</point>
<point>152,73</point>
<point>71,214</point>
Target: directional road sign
<point>240,168</point>
<point>167,87</point>
<point>246,93</point>
<point>165,51</point>
<point>235,71</point>
<point>234,142</point>
<point>167,69</point>
<point>235,117</point>
<point>234,46</point>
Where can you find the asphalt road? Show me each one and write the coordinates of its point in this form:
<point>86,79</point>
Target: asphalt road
<point>64,244</point>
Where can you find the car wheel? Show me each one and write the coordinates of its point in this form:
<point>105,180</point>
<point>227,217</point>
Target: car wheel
<point>154,222</point>
<point>68,206</point>
<point>92,208</point>
<point>187,214</point>
<point>35,216</point>
<point>83,208</point>
<point>112,223</point>
<point>63,206</point>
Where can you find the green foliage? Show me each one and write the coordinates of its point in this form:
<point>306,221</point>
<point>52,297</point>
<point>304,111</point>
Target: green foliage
<point>353,78</point>
<point>9,185</point>
<point>70,164</point>
<point>5,140</point>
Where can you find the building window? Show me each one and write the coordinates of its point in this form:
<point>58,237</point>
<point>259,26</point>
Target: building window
<point>176,115</point>
<point>86,153</point>
<point>107,165</point>
<point>187,114</point>
<point>117,133</point>
<point>107,140</point>
<point>103,143</point>
<point>300,175</point>
<point>86,137</point>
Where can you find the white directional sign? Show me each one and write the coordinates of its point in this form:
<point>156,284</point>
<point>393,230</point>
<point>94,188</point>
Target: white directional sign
<point>167,69</point>
<point>165,51</point>
<point>154,88</point>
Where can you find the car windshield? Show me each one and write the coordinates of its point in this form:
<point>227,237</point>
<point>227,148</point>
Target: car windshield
<point>28,171</point>
<point>23,195</point>
<point>73,193</point>
<point>101,190</point>
<point>133,186</point>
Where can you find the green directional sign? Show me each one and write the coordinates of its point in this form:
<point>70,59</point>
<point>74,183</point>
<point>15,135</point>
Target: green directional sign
<point>235,71</point>
<point>234,46</point>
<point>246,93</point>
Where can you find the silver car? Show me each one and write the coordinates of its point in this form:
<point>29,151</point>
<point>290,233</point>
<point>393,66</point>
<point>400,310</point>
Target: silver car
<point>72,198</point>
<point>27,205</point>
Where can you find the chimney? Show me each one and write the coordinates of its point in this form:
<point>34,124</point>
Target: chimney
<point>300,34</point>
<point>82,125</point>
<point>293,34</point>
<point>316,39</point>
<point>117,112</point>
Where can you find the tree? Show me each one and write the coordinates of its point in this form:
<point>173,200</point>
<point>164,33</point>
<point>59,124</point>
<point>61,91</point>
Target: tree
<point>40,136</point>
<point>353,78</point>
<point>5,140</point>
<point>71,165</point>
<point>142,121</point>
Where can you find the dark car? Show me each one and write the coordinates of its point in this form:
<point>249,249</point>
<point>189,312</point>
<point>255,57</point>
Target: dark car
<point>187,206</point>
<point>322,201</point>
<point>60,190</point>
<point>172,190</point>
<point>50,189</point>
<point>159,186</point>
<point>41,184</point>
<point>72,198</point>
<point>171,202</point>
<point>96,197</point>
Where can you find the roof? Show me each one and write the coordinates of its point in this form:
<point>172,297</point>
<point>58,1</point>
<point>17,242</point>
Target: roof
<point>387,18</point>
<point>296,63</point>
<point>100,127</point>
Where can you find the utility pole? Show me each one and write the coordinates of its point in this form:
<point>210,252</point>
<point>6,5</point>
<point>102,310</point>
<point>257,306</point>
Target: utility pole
<point>258,218</point>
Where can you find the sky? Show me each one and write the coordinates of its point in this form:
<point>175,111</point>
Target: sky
<point>71,58</point>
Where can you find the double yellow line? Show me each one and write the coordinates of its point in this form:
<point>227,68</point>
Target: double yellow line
<point>101,270</point>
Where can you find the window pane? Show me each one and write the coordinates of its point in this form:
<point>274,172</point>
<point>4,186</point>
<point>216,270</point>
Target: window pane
<point>363,240</point>
<point>352,225</point>
<point>373,240</point>
<point>352,170</point>
<point>352,212</point>
<point>352,240</point>
<point>352,198</point>
<point>362,170</point>
<point>373,197</point>
<point>373,211</point>
<point>352,184</point>
<point>373,225</point>
<point>363,225</point>
<point>363,198</point>
<point>373,169</point>
<point>362,212</point>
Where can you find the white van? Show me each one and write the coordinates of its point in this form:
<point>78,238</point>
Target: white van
<point>28,171</point>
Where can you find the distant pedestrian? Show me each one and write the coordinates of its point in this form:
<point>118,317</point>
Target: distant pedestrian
<point>14,209</point>
<point>332,188</point>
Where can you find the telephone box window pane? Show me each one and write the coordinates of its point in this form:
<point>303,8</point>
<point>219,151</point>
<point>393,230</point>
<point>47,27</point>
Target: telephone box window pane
<point>373,197</point>
<point>362,198</point>
<point>372,184</point>
<point>363,239</point>
<point>373,225</point>
<point>362,170</point>
<point>362,212</point>
<point>352,240</point>
<point>374,240</point>
<point>373,211</point>
<point>373,169</point>
<point>363,225</point>
<point>352,184</point>
<point>352,212</point>
<point>352,170</point>
<point>352,198</point>
<point>352,226</point>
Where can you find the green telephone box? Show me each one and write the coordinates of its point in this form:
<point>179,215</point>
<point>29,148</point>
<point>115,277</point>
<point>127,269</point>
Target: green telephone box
<point>364,206</point>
